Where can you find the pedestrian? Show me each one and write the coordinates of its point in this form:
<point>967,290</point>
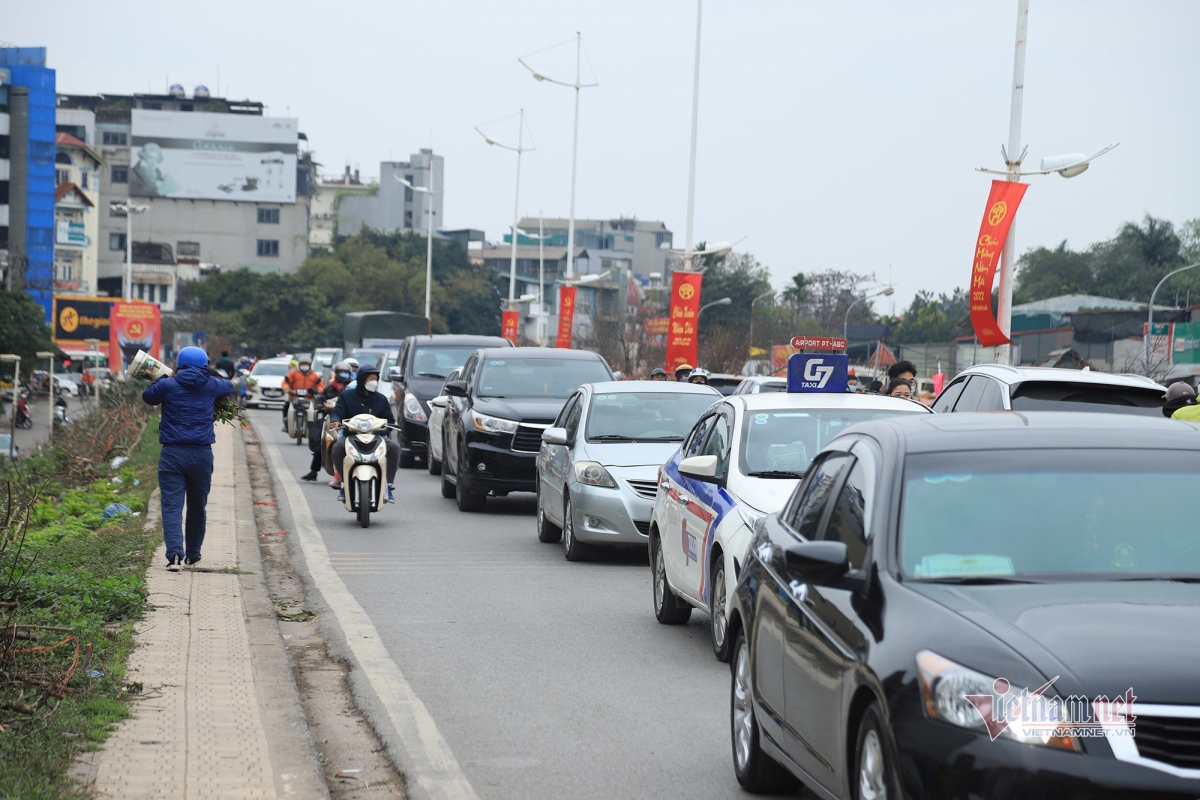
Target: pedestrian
<point>185,464</point>
<point>851,380</point>
<point>1181,403</point>
<point>89,382</point>
<point>898,387</point>
<point>905,370</point>
<point>875,388</point>
<point>659,374</point>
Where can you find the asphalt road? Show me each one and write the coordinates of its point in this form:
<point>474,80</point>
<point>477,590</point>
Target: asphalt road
<point>547,679</point>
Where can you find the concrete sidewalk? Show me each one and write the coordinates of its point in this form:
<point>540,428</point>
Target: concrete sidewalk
<point>219,715</point>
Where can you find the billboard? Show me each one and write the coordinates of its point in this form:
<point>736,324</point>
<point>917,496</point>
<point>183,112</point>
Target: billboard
<point>193,155</point>
<point>80,318</point>
<point>135,326</point>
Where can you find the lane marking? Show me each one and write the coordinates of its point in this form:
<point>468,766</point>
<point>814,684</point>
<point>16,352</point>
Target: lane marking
<point>430,760</point>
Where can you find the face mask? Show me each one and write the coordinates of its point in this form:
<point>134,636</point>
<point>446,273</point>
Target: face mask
<point>371,385</point>
<point>344,377</point>
<point>305,368</point>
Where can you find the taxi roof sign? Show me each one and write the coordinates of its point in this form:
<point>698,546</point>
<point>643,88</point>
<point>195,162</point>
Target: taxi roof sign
<point>818,343</point>
<point>818,373</point>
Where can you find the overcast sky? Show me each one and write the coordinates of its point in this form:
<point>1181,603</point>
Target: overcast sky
<point>832,135</point>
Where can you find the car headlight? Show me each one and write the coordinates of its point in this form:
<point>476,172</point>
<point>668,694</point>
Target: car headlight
<point>945,686</point>
<point>750,516</point>
<point>412,408</point>
<point>493,424</point>
<point>593,473</point>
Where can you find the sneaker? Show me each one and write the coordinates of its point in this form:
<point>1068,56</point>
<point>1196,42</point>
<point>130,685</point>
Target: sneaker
<point>173,563</point>
<point>309,476</point>
<point>335,484</point>
<point>189,561</point>
<point>341,495</point>
<point>390,498</point>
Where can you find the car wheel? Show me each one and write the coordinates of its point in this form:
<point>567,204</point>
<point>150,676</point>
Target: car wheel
<point>668,609</point>
<point>756,771</point>
<point>547,531</point>
<point>573,549</point>
<point>448,490</point>
<point>467,500</point>
<point>718,625</point>
<point>874,778</point>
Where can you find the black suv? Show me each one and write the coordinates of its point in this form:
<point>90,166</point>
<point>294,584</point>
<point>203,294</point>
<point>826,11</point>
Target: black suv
<point>492,430</point>
<point>417,376</point>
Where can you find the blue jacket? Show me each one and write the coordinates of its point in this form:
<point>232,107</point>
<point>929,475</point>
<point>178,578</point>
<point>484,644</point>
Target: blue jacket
<point>188,401</point>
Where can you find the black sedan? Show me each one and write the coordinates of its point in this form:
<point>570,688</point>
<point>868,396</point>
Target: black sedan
<point>1001,605</point>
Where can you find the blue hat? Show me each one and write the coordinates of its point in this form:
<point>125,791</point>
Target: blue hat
<point>365,370</point>
<point>191,357</point>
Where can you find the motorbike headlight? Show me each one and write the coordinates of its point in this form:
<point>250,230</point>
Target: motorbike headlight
<point>493,424</point>
<point>593,473</point>
<point>412,408</point>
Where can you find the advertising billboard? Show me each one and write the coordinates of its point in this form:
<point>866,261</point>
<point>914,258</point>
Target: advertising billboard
<point>198,156</point>
<point>80,318</point>
<point>135,326</point>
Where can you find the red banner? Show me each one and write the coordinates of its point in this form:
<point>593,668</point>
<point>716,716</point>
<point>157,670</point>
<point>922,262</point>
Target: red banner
<point>682,345</point>
<point>133,326</point>
<point>997,218</point>
<point>566,315</point>
<point>509,323</point>
<point>818,343</point>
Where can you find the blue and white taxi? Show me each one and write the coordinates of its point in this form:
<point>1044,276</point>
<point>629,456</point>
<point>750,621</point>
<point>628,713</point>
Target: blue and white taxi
<point>740,462</point>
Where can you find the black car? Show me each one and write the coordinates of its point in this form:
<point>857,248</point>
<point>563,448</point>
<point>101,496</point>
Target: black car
<point>1001,605</point>
<point>495,416</point>
<point>421,366</point>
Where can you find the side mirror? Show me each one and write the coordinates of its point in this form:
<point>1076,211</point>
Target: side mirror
<point>555,436</point>
<point>395,374</point>
<point>822,563</point>
<point>702,468</point>
<point>456,388</point>
<point>439,401</point>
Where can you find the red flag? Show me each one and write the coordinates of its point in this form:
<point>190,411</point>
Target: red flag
<point>997,218</point>
<point>566,315</point>
<point>682,345</point>
<point>509,321</point>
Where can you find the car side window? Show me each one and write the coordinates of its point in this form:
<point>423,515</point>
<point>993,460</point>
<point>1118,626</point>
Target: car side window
<point>813,495</point>
<point>695,440</point>
<point>719,442</point>
<point>468,370</point>
<point>992,398</point>
<point>945,401</point>
<point>572,421</point>
<point>848,520</point>
<point>561,422</point>
<point>969,399</point>
<point>402,359</point>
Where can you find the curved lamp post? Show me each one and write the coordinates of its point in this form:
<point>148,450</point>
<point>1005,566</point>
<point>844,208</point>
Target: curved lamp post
<point>763,296</point>
<point>429,190</point>
<point>1150,314</point>
<point>888,292</point>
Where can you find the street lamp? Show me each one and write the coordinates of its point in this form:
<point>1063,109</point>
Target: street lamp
<point>1150,314</point>
<point>430,191</point>
<point>888,292</point>
<point>49,356</point>
<point>537,76</point>
<point>762,296</point>
<point>129,208</point>
<point>724,301</point>
<point>94,345</point>
<point>520,148</point>
<point>12,433</point>
<point>541,237</point>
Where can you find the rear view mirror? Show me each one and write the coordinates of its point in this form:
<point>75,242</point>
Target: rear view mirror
<point>456,388</point>
<point>439,401</point>
<point>824,563</point>
<point>702,468</point>
<point>555,436</point>
<point>394,374</point>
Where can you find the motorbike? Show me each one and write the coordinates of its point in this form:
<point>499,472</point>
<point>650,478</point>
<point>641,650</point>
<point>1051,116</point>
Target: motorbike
<point>60,411</point>
<point>298,415</point>
<point>23,419</point>
<point>363,468</point>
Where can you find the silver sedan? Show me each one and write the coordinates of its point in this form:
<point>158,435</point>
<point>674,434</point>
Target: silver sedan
<point>597,470</point>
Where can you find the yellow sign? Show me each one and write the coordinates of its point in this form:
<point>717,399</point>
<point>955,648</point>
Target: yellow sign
<point>69,319</point>
<point>687,291</point>
<point>997,212</point>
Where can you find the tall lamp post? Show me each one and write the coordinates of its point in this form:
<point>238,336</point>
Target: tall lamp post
<point>430,192</point>
<point>537,76</point>
<point>763,296</point>
<point>13,358</point>
<point>541,237</point>
<point>46,354</point>
<point>1150,314</point>
<point>724,301</point>
<point>888,292</point>
<point>520,148</point>
<point>94,344</point>
<point>129,208</point>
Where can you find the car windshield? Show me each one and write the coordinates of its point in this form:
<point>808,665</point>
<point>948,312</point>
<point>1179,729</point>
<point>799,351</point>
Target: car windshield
<point>276,369</point>
<point>645,416</point>
<point>438,362</point>
<point>772,386</point>
<point>366,357</point>
<point>784,441</point>
<point>1062,396</point>
<point>538,377</point>
<point>1050,515</point>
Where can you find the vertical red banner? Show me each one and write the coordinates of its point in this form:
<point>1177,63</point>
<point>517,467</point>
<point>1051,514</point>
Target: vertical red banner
<point>682,343</point>
<point>132,327</point>
<point>997,219</point>
<point>566,315</point>
<point>509,324</point>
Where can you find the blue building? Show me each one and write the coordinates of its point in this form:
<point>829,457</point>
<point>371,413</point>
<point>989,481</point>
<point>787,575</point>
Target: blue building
<point>27,103</point>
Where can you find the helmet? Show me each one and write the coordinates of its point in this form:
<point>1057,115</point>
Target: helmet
<point>352,362</point>
<point>191,357</point>
<point>682,371</point>
<point>657,371</point>
<point>305,360</point>
<point>364,371</point>
<point>1174,391</point>
<point>698,372</point>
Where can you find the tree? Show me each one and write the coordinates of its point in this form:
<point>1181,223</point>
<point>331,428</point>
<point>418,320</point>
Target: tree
<point>930,319</point>
<point>1043,273</point>
<point>23,328</point>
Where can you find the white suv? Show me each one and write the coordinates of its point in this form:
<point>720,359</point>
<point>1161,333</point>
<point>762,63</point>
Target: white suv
<point>993,387</point>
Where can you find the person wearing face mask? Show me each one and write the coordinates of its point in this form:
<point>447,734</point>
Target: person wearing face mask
<point>364,399</point>
<point>300,379</point>
<point>338,382</point>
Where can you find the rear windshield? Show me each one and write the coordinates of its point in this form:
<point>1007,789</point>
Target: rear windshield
<point>787,439</point>
<point>1060,396</point>
<point>539,377</point>
<point>277,370</point>
<point>645,416</point>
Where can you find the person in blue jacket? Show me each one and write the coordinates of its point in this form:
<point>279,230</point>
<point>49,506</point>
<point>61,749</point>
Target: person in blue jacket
<point>361,397</point>
<point>185,464</point>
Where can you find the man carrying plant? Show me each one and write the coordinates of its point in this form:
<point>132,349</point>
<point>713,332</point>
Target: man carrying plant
<point>185,466</point>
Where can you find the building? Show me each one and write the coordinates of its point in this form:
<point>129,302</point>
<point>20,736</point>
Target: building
<point>223,185</point>
<point>27,154</point>
<point>77,170</point>
<point>645,244</point>
<point>326,198</point>
<point>393,206</point>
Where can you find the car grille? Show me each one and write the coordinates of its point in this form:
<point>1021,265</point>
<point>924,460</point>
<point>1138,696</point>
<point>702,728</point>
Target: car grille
<point>272,392</point>
<point>643,527</point>
<point>1171,740</point>
<point>528,438</point>
<point>644,489</point>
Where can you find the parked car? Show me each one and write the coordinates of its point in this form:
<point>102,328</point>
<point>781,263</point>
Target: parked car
<point>437,411</point>
<point>6,442</point>
<point>932,572</point>
<point>493,424</point>
<point>268,375</point>
<point>993,387</point>
<point>597,471</point>
<point>66,384</point>
<point>761,383</point>
<point>417,374</point>
<point>740,462</point>
<point>724,382</point>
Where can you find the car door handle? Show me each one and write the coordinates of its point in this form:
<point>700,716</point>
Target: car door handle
<point>683,500</point>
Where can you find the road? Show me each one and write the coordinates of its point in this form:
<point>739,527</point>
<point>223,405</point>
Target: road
<point>28,440</point>
<point>546,679</point>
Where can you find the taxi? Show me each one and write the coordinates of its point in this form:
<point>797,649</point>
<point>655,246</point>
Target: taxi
<point>740,461</point>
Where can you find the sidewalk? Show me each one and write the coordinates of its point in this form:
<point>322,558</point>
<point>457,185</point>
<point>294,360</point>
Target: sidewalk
<point>219,715</point>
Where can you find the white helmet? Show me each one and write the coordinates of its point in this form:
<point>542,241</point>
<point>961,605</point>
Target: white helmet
<point>353,362</point>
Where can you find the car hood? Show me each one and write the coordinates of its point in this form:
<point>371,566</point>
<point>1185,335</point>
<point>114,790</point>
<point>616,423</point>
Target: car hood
<point>1100,637</point>
<point>425,389</point>
<point>767,495</point>
<point>630,454</point>
<point>520,408</point>
<point>269,381</point>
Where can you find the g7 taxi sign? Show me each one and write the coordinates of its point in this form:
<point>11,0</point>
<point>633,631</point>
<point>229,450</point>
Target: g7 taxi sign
<point>817,372</point>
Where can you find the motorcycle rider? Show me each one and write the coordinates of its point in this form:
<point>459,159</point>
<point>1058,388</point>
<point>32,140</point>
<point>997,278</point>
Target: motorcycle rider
<point>297,380</point>
<point>22,412</point>
<point>224,366</point>
<point>698,375</point>
<point>659,374</point>
<point>682,372</point>
<point>61,402</point>
<point>337,384</point>
<point>363,399</point>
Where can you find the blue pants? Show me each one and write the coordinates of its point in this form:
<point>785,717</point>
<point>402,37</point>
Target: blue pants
<point>184,472</point>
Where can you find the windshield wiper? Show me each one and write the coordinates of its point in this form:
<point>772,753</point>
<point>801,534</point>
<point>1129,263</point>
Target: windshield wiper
<point>429,375</point>
<point>775,473</point>
<point>611,437</point>
<point>975,580</point>
<point>1171,578</point>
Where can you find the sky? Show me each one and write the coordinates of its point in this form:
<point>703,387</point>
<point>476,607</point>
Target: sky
<point>831,135</point>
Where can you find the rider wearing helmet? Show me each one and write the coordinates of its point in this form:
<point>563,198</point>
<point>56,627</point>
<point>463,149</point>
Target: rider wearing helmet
<point>301,379</point>
<point>682,372</point>
<point>338,381</point>
<point>1181,403</point>
<point>364,399</point>
<point>658,374</point>
<point>698,375</point>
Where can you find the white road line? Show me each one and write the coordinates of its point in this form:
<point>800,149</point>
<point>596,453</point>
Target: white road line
<point>431,763</point>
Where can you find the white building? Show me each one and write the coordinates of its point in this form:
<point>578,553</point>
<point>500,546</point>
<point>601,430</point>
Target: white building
<point>77,169</point>
<point>395,207</point>
<point>326,199</point>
